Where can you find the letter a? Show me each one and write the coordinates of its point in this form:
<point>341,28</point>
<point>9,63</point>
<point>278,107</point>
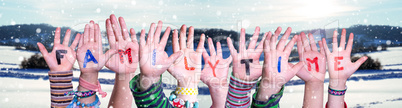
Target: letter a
<point>91,58</point>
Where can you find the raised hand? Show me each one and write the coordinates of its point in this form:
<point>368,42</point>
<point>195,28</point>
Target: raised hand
<point>216,68</point>
<point>62,57</point>
<point>314,66</point>
<point>187,69</point>
<point>277,71</point>
<point>340,66</point>
<point>215,74</point>
<point>153,59</point>
<point>246,64</point>
<point>90,52</point>
<point>313,70</point>
<point>126,61</point>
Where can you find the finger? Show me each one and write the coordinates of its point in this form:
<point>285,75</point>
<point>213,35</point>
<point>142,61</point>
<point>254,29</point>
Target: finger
<point>91,31</point>
<point>205,55</point>
<point>296,68</point>
<point>142,39</point>
<point>124,29</point>
<point>75,42</point>
<point>190,39</point>
<point>57,36</point>
<point>151,32</point>
<point>211,47</point>
<point>312,42</point>
<point>98,37</point>
<point>42,49</point>
<point>284,39</point>
<point>335,42</point>
<point>343,39</point>
<point>173,57</point>
<point>110,34</point>
<point>254,39</point>
<point>260,46</point>
<point>110,53</point>
<point>231,47</point>
<point>164,40</point>
<point>157,35</point>
<point>81,42</point>
<point>175,43</point>
<point>327,52</point>
<point>359,62</point>
<point>300,48</point>
<point>200,46</point>
<point>291,44</point>
<point>267,48</point>
<point>321,47</point>
<point>183,37</point>
<point>350,43</point>
<point>116,28</point>
<point>66,39</point>
<point>133,35</point>
<point>273,43</point>
<point>242,45</point>
<point>219,49</point>
<point>86,33</point>
<point>305,42</point>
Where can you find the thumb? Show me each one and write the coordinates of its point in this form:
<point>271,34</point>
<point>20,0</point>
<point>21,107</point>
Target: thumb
<point>110,53</point>
<point>359,62</point>
<point>42,49</point>
<point>173,57</point>
<point>296,68</point>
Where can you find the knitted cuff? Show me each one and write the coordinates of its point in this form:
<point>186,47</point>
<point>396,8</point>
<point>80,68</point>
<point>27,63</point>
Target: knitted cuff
<point>239,90</point>
<point>273,100</point>
<point>60,83</point>
<point>152,97</point>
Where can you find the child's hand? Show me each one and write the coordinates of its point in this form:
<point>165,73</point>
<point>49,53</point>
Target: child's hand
<point>277,71</point>
<point>153,59</point>
<point>215,72</point>
<point>246,63</point>
<point>90,52</point>
<point>314,67</point>
<point>126,61</point>
<point>62,57</point>
<point>187,68</point>
<point>339,65</point>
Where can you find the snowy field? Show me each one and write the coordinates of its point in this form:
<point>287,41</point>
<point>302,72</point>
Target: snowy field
<point>374,93</point>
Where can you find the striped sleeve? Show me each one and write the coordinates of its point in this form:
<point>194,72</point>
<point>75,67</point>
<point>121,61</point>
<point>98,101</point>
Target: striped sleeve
<point>273,100</point>
<point>153,97</point>
<point>60,83</point>
<point>239,93</point>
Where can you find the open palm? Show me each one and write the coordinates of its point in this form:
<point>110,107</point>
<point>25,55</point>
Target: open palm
<point>187,68</point>
<point>127,47</point>
<point>216,68</point>
<point>340,66</point>
<point>91,43</point>
<point>69,57</point>
<point>277,70</point>
<point>311,59</point>
<point>153,59</point>
<point>252,53</point>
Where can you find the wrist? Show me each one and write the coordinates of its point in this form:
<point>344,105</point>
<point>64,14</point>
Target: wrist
<point>337,84</point>
<point>146,81</point>
<point>90,77</point>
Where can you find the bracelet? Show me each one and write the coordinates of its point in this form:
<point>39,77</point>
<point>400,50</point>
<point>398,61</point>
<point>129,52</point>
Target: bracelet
<point>179,103</point>
<point>93,87</point>
<point>81,94</point>
<point>337,92</point>
<point>186,91</point>
<point>76,103</point>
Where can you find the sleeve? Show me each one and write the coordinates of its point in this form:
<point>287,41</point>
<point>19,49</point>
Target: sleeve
<point>239,93</point>
<point>273,100</point>
<point>60,83</point>
<point>152,97</point>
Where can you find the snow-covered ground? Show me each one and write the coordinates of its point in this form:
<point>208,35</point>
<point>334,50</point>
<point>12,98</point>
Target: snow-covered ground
<point>20,92</point>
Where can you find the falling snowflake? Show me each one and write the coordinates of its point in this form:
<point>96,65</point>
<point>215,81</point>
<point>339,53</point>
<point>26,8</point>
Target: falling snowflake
<point>98,10</point>
<point>38,30</point>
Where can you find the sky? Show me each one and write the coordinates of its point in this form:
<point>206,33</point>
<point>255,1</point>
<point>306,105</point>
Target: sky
<point>225,14</point>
